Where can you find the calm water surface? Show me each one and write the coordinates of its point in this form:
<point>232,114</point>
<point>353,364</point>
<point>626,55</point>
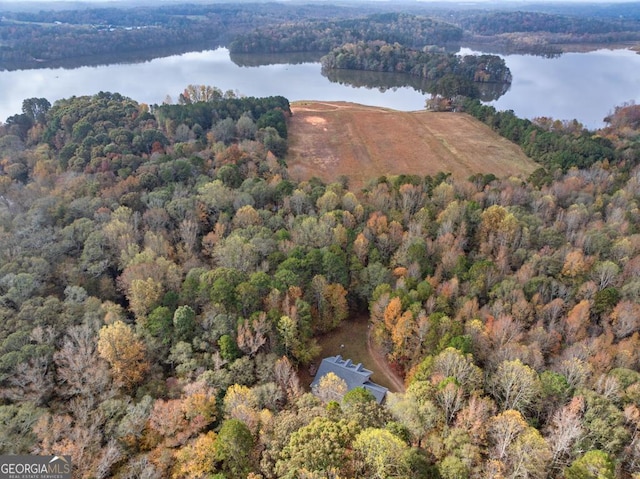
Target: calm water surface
<point>152,81</point>
<point>585,86</point>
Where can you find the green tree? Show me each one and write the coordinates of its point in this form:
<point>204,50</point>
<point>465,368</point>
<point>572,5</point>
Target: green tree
<point>383,453</point>
<point>225,130</point>
<point>416,409</point>
<point>184,323</point>
<point>246,127</point>
<point>452,467</point>
<point>36,109</point>
<point>233,447</point>
<point>529,455</point>
<point>16,427</point>
<point>95,258</point>
<point>318,447</point>
<point>159,323</point>
<point>360,405</point>
<point>604,427</point>
<point>593,464</point>
<point>228,348</point>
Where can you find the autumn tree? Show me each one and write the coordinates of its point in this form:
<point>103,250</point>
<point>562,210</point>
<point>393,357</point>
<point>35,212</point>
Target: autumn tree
<point>382,452</point>
<point>196,459</point>
<point>126,354</point>
<point>330,387</point>
<point>529,455</point>
<point>144,295</point>
<point>79,367</point>
<point>577,321</point>
<point>498,228</point>
<point>625,318</point>
<point>286,378</point>
<point>503,431</point>
<point>515,385</point>
<point>253,335</point>
<point>241,402</point>
<point>199,93</point>
<point>453,363</point>
<point>329,303</point>
<point>416,410</point>
<point>174,422</point>
<point>565,429</point>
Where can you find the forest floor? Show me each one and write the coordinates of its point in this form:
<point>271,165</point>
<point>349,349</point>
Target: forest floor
<point>332,139</point>
<point>351,341</point>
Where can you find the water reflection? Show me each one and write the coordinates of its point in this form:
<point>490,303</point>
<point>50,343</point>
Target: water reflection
<point>264,59</point>
<point>380,81</point>
<point>131,57</point>
<point>384,81</point>
<point>585,86</point>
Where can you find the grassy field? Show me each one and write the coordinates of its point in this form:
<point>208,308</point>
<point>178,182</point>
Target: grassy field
<point>330,139</point>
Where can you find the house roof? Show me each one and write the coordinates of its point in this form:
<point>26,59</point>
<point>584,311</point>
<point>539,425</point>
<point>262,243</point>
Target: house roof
<point>355,375</point>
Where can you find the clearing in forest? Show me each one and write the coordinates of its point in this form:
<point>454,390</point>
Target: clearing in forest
<point>330,139</point>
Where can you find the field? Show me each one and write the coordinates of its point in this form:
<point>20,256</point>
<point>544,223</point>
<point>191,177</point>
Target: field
<point>330,139</point>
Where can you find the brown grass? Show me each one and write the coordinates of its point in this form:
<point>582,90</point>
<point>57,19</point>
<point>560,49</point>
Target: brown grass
<point>330,139</point>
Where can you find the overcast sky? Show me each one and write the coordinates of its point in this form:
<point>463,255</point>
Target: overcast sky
<point>325,1</point>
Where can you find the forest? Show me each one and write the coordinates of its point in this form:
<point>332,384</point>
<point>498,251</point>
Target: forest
<point>553,144</point>
<point>162,280</point>
<point>447,75</point>
<point>35,39</point>
<point>409,30</point>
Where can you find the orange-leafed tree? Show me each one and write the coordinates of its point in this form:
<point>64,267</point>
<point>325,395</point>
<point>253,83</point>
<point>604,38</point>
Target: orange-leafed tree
<point>196,459</point>
<point>577,322</point>
<point>127,355</point>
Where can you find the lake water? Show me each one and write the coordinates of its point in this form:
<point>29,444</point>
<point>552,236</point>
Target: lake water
<point>585,86</point>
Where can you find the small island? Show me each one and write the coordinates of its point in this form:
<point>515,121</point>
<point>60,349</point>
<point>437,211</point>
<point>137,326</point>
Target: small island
<point>446,74</point>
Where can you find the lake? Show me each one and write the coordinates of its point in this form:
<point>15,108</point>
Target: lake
<point>585,86</point>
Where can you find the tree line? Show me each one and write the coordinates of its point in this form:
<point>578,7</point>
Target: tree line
<point>543,30</point>
<point>322,36</point>
<point>498,22</point>
<point>161,283</point>
<point>72,37</point>
<point>553,146</point>
<point>34,39</point>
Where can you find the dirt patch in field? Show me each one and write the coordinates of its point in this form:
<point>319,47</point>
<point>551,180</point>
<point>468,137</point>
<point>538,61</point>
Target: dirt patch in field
<point>331,139</point>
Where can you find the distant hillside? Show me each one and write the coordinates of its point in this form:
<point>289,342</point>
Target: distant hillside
<point>330,139</point>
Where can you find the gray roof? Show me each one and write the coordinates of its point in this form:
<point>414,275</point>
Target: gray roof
<point>355,375</point>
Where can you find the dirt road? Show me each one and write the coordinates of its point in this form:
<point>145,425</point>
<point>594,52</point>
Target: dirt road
<point>383,366</point>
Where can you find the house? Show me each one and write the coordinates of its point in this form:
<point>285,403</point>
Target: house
<point>355,375</point>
